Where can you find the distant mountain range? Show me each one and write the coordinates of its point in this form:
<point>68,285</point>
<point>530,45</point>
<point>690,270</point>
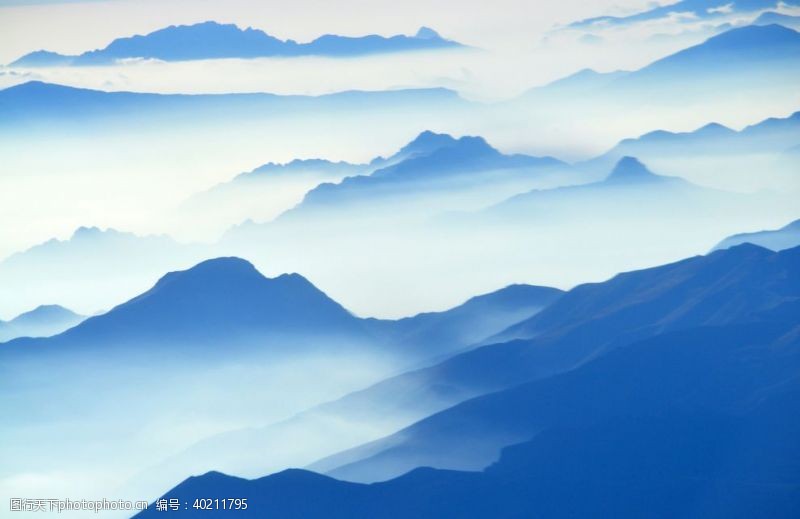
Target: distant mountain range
<point>748,46</point>
<point>753,56</point>
<point>91,270</point>
<point>41,103</point>
<point>668,389</point>
<point>228,300</point>
<point>786,237</point>
<point>42,321</point>
<point>211,40</point>
<point>361,416</point>
<point>424,175</point>
<point>771,17</point>
<point>712,142</point>
<point>696,9</point>
<point>629,188</point>
<point>269,190</point>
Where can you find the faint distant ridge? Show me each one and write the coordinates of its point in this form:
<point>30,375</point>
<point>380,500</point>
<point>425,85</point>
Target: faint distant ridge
<point>631,170</point>
<point>698,9</point>
<point>786,237</point>
<point>753,44</point>
<point>771,17</point>
<point>42,321</point>
<point>431,158</point>
<point>212,40</point>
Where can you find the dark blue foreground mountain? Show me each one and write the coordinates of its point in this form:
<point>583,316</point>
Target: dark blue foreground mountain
<point>590,321</point>
<point>210,40</point>
<point>695,423</point>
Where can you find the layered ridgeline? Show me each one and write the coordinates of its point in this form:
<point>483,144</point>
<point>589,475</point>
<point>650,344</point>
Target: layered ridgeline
<point>214,348</point>
<point>759,156</point>
<point>361,416</point>
<point>447,173</point>
<point>786,237</point>
<point>759,60</point>
<point>211,40</point>
<point>91,270</point>
<point>38,104</point>
<point>664,392</point>
<point>42,321</point>
<point>271,189</point>
<point>630,188</point>
<point>708,10</point>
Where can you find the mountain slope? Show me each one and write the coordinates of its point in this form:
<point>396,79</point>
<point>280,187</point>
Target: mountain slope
<point>697,9</point>
<point>37,101</point>
<point>42,321</point>
<point>271,189</point>
<point>786,237</point>
<point>355,419</point>
<point>224,299</point>
<point>589,321</point>
<point>442,171</point>
<point>690,424</point>
<point>211,40</point>
<point>737,51</point>
<point>92,269</point>
<point>622,192</point>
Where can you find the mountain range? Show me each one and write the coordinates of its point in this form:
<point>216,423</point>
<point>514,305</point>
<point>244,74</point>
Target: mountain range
<point>786,237</point>
<point>42,321</point>
<point>630,188</point>
<point>271,189</point>
<point>212,40</point>
<point>756,58</point>
<point>663,392</point>
<point>441,171</point>
<point>771,17</point>
<point>46,103</point>
<point>276,346</point>
<point>364,415</point>
<point>696,9</point>
<point>763,147</point>
<point>85,271</point>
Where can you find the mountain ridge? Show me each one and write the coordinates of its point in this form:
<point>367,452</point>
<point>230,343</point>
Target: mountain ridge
<point>212,40</point>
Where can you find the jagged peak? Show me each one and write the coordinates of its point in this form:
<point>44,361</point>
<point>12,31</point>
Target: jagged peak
<point>630,169</point>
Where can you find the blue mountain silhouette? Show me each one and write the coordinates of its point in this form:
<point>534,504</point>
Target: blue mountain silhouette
<point>42,321</point>
<point>36,101</point>
<point>699,9</point>
<point>753,56</point>
<point>227,301</point>
<point>431,163</point>
<point>692,422</point>
<point>770,136</point>
<point>219,301</point>
<point>737,51</point>
<point>786,237</point>
<point>624,189</point>
<point>771,17</point>
<point>210,40</point>
<point>93,260</point>
<point>720,289</point>
<point>361,416</point>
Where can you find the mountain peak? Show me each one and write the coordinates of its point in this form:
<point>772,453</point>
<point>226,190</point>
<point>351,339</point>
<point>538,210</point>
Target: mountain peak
<point>426,142</point>
<point>712,129</point>
<point>630,169</point>
<point>226,268</point>
<point>426,33</point>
